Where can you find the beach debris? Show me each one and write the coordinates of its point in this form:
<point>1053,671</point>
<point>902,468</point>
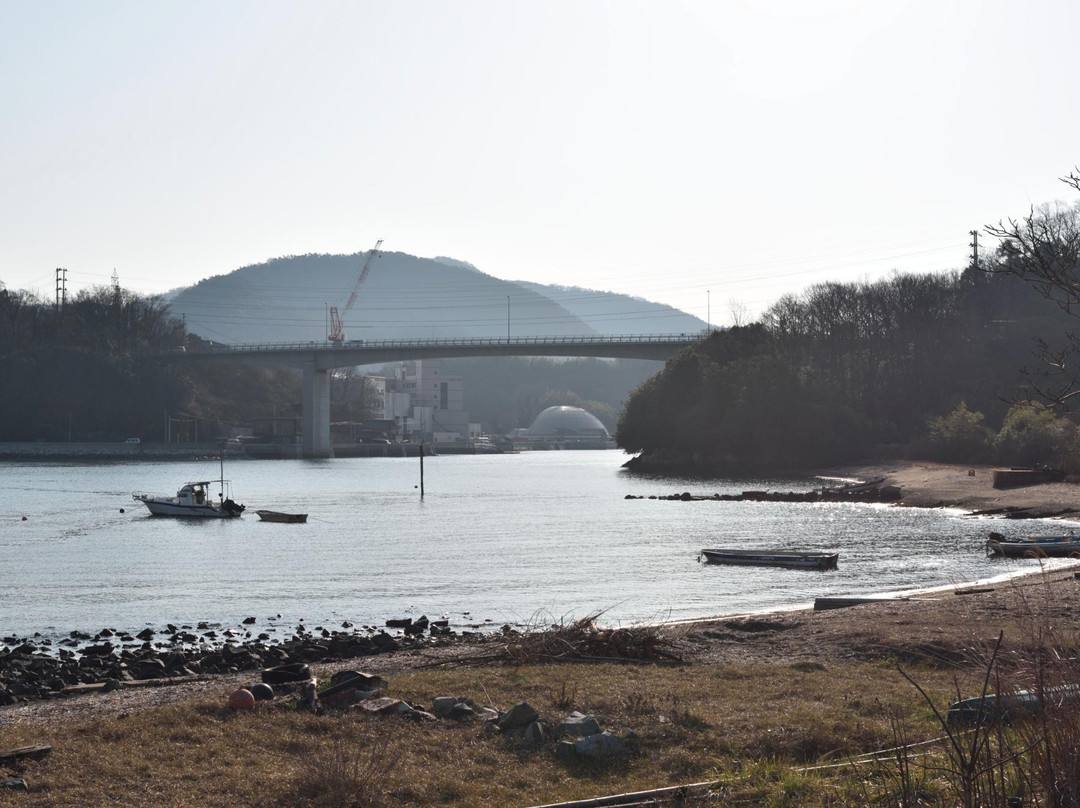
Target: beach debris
<point>241,699</point>
<point>289,672</point>
<point>579,641</point>
<point>262,691</point>
<point>822,604</point>
<point>34,752</point>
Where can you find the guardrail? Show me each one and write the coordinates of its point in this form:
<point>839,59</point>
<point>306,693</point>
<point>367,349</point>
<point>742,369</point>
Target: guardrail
<point>623,339</point>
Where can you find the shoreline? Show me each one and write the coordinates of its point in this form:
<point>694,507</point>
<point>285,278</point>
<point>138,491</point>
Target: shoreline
<point>928,484</point>
<point>797,632</point>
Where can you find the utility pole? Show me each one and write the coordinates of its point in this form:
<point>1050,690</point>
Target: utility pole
<point>61,288</point>
<point>975,248</point>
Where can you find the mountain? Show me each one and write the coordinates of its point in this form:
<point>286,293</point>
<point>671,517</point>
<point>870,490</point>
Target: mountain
<point>288,300</point>
<point>611,313</point>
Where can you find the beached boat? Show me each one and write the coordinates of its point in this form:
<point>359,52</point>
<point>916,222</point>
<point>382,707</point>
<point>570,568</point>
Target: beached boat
<point>853,487</point>
<point>194,499</point>
<point>805,560</point>
<point>1034,546</point>
<point>278,516</point>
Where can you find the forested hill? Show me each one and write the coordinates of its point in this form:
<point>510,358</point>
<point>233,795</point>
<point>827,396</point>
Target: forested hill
<point>916,364</point>
<point>287,300</point>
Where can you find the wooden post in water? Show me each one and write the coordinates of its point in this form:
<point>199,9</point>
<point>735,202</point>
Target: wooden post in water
<point>421,469</point>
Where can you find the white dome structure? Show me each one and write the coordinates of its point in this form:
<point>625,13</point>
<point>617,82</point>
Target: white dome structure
<point>564,422</point>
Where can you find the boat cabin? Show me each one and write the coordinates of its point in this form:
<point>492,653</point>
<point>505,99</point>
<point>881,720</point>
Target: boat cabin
<point>194,494</point>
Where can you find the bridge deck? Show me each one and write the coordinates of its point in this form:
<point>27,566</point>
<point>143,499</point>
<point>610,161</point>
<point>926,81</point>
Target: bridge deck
<point>327,355</point>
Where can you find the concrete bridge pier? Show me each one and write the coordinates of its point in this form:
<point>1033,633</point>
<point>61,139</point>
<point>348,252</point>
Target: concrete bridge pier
<point>315,418</point>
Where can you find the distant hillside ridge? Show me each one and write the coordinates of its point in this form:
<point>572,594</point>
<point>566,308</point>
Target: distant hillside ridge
<point>612,313</point>
<point>288,299</point>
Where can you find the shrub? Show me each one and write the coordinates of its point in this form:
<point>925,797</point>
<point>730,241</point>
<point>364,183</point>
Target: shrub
<point>1032,435</point>
<point>960,437</point>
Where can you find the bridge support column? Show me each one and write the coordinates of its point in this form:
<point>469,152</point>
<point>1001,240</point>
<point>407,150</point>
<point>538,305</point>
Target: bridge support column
<point>315,423</point>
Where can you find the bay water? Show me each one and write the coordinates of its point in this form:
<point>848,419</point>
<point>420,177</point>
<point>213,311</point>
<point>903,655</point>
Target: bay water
<point>529,538</point>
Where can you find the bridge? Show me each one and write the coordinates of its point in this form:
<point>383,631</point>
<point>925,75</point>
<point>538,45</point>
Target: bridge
<point>317,359</point>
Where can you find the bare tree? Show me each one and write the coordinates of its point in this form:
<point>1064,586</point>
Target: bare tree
<point>1043,250</point>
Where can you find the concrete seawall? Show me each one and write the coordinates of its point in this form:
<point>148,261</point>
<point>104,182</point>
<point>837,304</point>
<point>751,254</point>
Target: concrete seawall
<point>41,450</point>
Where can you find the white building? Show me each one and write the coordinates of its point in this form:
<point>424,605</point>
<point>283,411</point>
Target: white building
<point>428,405</point>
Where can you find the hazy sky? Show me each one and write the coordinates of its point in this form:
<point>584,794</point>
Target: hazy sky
<point>692,153</point>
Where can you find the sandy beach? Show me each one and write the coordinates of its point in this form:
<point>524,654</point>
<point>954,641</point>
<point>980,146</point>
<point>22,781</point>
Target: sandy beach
<point>940,485</point>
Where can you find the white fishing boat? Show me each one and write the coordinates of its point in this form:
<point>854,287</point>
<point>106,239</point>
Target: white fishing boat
<point>194,499</point>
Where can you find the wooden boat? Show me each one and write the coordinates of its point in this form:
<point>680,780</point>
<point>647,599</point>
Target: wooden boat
<point>772,558</point>
<point>1034,546</point>
<point>278,516</point>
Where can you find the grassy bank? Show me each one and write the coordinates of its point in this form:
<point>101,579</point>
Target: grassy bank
<point>750,726</point>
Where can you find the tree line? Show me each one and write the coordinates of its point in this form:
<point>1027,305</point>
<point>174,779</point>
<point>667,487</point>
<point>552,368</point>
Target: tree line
<point>915,364</point>
<point>84,371</point>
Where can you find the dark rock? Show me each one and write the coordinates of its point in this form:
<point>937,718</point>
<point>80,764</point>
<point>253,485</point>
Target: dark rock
<point>382,706</point>
<point>102,649</point>
<point>152,668</point>
<point>384,642</point>
<point>600,746</point>
<point>565,751</point>
<point>577,725</point>
<point>534,734</point>
<point>520,715</point>
<point>247,621</point>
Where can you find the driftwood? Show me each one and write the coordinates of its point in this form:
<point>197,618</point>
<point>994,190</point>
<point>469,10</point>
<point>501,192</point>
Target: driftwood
<point>650,797</point>
<point>92,687</point>
<point>36,752</point>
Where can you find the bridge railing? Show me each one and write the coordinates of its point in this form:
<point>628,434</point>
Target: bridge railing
<point>622,339</point>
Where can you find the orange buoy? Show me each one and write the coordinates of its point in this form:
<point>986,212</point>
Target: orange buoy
<point>241,699</point>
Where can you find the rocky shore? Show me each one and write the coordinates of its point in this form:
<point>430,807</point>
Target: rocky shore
<point>35,668</point>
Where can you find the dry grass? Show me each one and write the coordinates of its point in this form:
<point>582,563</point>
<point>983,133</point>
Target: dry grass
<point>691,724</point>
<point>581,640</point>
<point>757,712</point>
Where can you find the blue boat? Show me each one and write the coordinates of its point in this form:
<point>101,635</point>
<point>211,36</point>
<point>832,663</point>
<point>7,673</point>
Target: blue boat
<point>1034,546</point>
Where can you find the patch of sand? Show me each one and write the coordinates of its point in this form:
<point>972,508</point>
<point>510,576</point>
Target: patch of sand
<point>971,488</point>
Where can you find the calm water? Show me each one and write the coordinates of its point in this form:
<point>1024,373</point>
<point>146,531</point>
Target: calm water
<point>502,538</point>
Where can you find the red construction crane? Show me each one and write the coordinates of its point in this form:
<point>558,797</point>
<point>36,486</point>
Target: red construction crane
<point>337,325</point>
